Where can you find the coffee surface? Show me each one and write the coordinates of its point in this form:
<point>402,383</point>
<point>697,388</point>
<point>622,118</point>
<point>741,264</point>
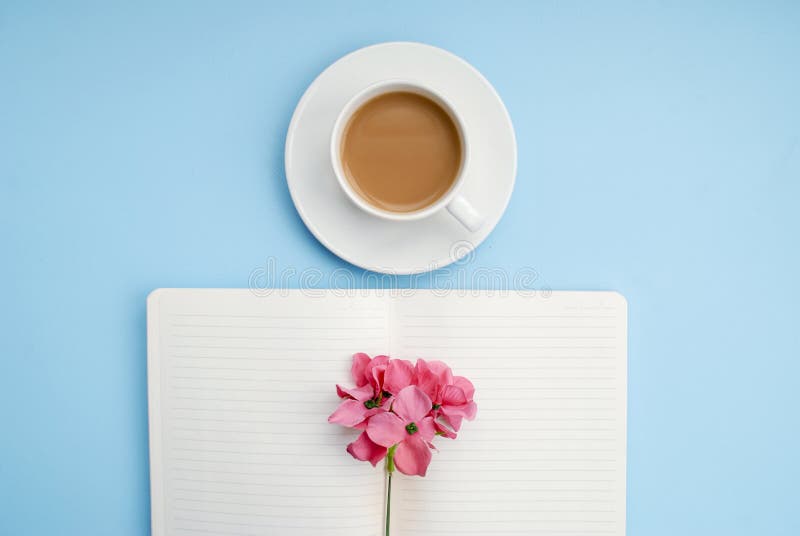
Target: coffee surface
<point>401,151</point>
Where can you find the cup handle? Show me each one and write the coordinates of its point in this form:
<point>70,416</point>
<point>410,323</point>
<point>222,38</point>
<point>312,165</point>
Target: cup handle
<point>465,213</point>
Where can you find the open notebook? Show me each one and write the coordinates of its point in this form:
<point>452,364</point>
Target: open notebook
<point>240,388</point>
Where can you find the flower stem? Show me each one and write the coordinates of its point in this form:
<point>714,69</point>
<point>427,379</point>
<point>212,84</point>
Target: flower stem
<point>389,471</point>
<point>388,502</point>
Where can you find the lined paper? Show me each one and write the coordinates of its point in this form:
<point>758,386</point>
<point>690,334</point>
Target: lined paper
<point>546,454</point>
<point>240,387</point>
<point>240,390</point>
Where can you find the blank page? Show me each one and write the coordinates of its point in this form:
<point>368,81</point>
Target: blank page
<point>240,388</point>
<point>546,454</point>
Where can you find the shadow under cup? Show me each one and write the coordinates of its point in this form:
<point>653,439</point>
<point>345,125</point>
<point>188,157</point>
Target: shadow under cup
<point>401,151</point>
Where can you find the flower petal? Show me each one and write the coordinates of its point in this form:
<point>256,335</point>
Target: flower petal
<point>465,385</point>
<point>349,413</point>
<point>399,374</point>
<point>380,360</point>
<point>470,411</point>
<point>432,376</point>
<point>360,363</point>
<point>376,370</point>
<point>426,429</point>
<point>426,380</point>
<point>454,421</point>
<point>366,450</point>
<point>453,396</point>
<point>411,404</point>
<point>378,375</point>
<point>362,394</point>
<point>442,371</point>
<point>386,429</point>
<point>465,411</point>
<point>413,456</point>
<point>362,425</point>
<point>443,430</point>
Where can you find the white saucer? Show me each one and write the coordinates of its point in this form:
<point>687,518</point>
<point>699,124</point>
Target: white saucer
<point>381,245</point>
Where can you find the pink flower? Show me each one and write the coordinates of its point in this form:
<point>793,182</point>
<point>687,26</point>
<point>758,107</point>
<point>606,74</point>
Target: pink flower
<point>432,376</point>
<point>456,403</point>
<point>409,427</point>
<point>359,405</point>
<point>376,379</point>
<point>368,371</point>
<point>400,408</point>
<point>399,374</point>
<point>451,396</point>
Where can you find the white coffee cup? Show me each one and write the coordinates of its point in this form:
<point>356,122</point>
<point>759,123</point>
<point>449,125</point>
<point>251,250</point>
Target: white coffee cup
<point>452,200</point>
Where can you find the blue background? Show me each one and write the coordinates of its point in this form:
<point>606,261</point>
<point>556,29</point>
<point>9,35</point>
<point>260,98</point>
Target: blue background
<point>141,146</point>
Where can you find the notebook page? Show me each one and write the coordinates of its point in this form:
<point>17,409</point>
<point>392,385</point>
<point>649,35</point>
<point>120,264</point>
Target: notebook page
<point>546,453</point>
<point>240,388</point>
